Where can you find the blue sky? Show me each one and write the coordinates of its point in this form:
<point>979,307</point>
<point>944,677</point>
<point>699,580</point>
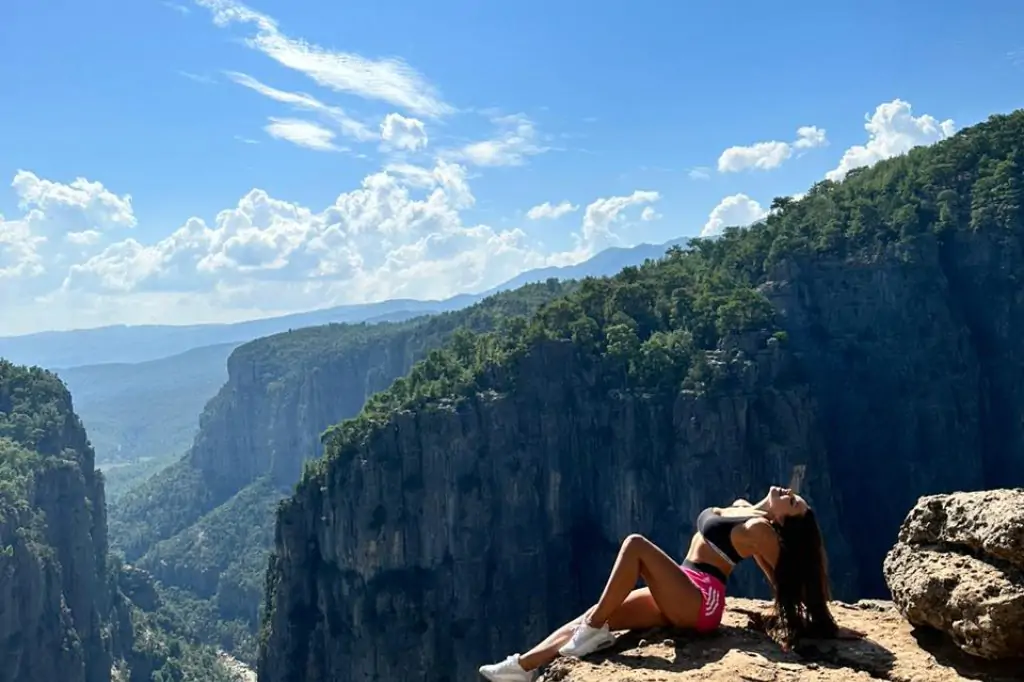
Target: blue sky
<point>284,156</point>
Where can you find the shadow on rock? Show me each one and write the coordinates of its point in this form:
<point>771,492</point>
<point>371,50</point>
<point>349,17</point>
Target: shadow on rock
<point>675,651</point>
<point>947,653</point>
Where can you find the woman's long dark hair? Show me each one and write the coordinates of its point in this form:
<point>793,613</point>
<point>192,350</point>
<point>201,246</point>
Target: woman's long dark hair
<point>802,589</point>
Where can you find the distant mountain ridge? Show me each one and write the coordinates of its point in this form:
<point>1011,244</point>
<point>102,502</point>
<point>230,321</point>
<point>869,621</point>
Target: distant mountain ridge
<point>140,343</point>
<point>139,409</point>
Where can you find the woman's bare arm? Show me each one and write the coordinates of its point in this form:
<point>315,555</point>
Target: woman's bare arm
<point>767,569</point>
<point>757,539</point>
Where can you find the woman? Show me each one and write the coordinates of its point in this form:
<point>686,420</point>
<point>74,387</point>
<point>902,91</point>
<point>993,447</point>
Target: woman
<point>780,533</point>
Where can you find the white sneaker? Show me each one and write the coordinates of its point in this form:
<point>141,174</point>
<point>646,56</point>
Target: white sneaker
<point>587,639</point>
<point>508,670</point>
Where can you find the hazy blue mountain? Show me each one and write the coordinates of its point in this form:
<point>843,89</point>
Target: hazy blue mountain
<point>140,343</point>
<point>133,344</point>
<point>607,262</point>
<point>145,410</point>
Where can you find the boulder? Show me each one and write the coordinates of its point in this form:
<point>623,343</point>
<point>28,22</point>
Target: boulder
<point>958,567</point>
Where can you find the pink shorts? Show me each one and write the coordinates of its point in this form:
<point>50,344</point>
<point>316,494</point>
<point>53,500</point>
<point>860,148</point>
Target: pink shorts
<point>712,603</point>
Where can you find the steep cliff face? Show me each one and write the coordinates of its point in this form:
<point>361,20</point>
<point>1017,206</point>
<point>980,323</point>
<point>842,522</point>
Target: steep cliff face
<point>914,367</point>
<point>205,523</point>
<point>474,528</point>
<point>268,417</point>
<point>54,596</point>
<point>473,509</point>
<point>282,392</point>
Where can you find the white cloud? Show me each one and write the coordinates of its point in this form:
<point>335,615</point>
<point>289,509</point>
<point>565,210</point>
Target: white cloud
<point>181,9</point>
<point>60,222</point>
<point>769,155</point>
<point>400,132</point>
<point>602,214</point>
<point>808,137</point>
<point>763,156</point>
<point>198,78</point>
<point>699,173</point>
<point>649,214</point>
<point>516,140</point>
<point>400,233</point>
<point>892,130</point>
<point>738,210</point>
<point>19,253</point>
<point>550,211</point>
<point>300,100</point>
<point>389,80</point>
<point>81,205</point>
<point>302,133</point>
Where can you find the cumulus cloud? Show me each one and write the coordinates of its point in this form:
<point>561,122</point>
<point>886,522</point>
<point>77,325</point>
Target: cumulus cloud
<point>399,132</point>
<point>736,210</point>
<point>516,139</point>
<point>302,133</point>
<point>81,205</point>
<point>769,155</point>
<point>400,233</point>
<point>602,215</point>
<point>389,80</point>
<point>892,130</point>
<point>550,211</point>
<point>809,137</point>
<point>60,222</point>
<point>649,214</point>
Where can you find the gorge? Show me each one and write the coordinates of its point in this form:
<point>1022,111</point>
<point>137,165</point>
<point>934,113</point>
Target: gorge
<point>867,330</point>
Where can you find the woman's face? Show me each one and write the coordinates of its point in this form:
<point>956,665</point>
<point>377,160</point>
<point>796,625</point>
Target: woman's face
<point>783,502</point>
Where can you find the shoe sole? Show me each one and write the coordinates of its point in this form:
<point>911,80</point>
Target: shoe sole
<point>600,647</point>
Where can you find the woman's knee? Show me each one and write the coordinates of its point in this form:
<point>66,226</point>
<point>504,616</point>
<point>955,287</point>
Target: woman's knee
<point>634,541</point>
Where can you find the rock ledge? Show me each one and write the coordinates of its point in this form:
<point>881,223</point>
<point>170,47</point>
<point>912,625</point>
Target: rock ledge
<point>741,651</point>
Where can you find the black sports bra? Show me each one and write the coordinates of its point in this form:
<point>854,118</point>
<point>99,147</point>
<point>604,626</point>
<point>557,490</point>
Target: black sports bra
<point>716,530</point>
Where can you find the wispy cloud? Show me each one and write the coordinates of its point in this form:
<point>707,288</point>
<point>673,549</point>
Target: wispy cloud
<point>516,139</point>
<point>198,78</point>
<point>246,140</point>
<point>389,79</point>
<point>699,173</point>
<point>302,133</point>
<point>547,210</point>
<point>181,9</point>
<point>300,100</point>
<point>1016,57</point>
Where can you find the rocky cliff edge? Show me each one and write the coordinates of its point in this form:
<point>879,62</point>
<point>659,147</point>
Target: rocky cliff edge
<point>890,650</point>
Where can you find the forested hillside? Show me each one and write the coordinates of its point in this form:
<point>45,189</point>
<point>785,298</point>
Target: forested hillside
<point>869,330</point>
<point>146,410</point>
<point>204,525</point>
<point>68,613</point>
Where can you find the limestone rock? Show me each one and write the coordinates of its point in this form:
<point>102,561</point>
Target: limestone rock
<point>958,567</point>
<point>739,651</point>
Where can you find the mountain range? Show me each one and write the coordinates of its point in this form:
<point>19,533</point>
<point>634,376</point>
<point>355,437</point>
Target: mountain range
<point>140,389</point>
<point>140,343</point>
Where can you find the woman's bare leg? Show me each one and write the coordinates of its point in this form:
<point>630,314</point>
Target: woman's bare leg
<point>672,591</point>
<point>637,612</point>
